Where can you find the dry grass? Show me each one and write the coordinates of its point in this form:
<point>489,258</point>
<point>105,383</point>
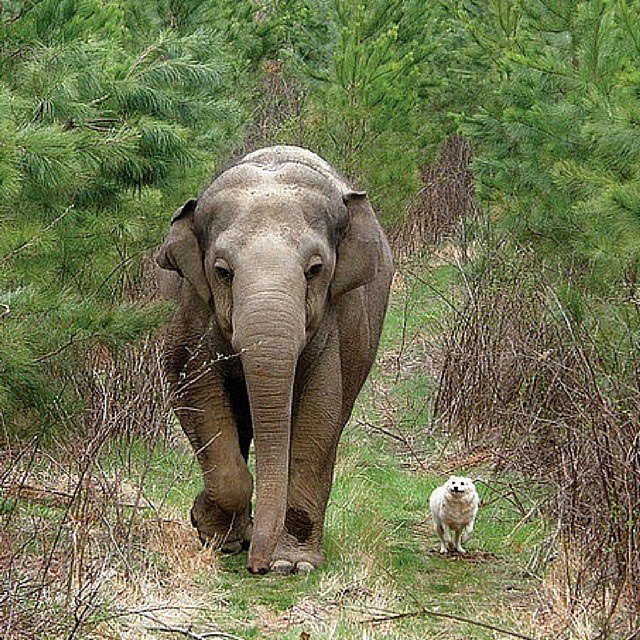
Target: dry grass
<point>563,407</point>
<point>87,553</point>
<point>85,539</point>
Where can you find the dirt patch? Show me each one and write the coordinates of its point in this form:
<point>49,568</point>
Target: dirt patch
<point>351,604</point>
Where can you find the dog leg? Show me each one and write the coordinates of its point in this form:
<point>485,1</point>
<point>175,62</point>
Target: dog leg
<point>455,542</point>
<point>441,535</point>
<point>447,539</point>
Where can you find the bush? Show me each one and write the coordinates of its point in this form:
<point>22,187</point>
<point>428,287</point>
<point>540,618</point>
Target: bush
<point>559,400</point>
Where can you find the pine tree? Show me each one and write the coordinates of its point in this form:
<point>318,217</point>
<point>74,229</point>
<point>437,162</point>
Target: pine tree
<point>557,134</point>
<point>103,131</point>
<point>364,102</point>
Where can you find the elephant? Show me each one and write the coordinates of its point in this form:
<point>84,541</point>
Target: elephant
<point>281,274</point>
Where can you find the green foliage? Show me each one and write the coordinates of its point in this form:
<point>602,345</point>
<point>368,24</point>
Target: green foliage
<point>103,132</point>
<point>112,113</point>
<point>559,151</point>
<point>365,105</point>
<point>346,79</point>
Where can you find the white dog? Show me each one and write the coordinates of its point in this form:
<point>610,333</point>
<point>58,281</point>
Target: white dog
<point>454,507</point>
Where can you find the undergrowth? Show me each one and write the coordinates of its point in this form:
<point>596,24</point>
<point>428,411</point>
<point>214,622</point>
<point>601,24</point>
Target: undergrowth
<point>555,393</point>
<point>96,540</point>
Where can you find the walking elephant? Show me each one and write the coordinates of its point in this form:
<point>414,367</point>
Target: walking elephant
<point>282,275</point>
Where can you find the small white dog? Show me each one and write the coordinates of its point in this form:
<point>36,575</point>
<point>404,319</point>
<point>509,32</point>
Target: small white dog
<point>454,506</point>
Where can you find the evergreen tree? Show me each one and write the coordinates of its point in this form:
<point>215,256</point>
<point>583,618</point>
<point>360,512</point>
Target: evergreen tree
<point>559,150</point>
<point>103,131</point>
<point>364,106</point>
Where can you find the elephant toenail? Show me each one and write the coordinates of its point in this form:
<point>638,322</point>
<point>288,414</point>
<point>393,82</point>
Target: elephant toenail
<point>304,568</point>
<point>281,566</point>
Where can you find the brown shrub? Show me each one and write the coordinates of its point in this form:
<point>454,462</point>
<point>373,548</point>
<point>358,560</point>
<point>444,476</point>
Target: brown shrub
<point>444,202</point>
<point>521,374</point>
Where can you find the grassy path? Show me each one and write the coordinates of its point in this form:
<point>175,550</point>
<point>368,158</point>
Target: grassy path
<point>383,577</point>
<point>108,553</point>
<point>382,563</point>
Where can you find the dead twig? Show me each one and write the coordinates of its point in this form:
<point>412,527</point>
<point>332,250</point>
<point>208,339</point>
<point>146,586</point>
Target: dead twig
<point>634,635</point>
<point>395,436</point>
<point>448,616</point>
<point>55,497</point>
<point>188,633</point>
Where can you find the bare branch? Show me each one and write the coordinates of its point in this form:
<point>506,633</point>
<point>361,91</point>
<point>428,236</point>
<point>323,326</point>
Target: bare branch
<point>448,616</point>
<point>188,633</point>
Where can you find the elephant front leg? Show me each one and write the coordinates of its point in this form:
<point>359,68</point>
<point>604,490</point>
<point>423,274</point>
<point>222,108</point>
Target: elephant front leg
<point>316,430</point>
<point>221,512</point>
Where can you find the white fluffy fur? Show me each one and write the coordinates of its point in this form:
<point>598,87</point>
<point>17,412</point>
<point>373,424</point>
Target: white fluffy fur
<point>454,507</point>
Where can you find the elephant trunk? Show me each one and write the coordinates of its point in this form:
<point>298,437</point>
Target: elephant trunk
<point>268,332</point>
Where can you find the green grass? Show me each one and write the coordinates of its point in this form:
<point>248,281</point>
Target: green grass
<point>380,549</point>
<point>167,473</point>
<point>381,558</point>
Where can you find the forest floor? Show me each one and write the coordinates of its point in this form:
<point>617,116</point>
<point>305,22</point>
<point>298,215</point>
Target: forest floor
<point>125,563</point>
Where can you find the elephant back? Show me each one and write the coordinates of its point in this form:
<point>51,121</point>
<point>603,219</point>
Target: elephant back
<point>296,160</point>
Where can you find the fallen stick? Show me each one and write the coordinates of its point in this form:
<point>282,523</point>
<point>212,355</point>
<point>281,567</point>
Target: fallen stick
<point>448,616</point>
<point>192,634</point>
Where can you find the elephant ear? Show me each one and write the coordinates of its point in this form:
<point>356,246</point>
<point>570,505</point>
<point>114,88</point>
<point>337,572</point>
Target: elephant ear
<point>360,252</point>
<point>181,251</point>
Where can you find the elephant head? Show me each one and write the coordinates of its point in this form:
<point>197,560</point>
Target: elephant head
<point>268,249</point>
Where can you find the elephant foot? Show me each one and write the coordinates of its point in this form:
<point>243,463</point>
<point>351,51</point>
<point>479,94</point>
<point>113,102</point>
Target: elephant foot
<point>291,557</point>
<point>217,528</point>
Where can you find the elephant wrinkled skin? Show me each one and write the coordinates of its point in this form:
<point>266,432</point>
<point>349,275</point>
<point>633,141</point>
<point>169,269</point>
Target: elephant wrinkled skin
<point>282,275</point>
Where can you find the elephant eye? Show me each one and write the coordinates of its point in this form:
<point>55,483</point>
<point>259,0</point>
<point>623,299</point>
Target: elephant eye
<point>314,269</point>
<point>223,271</point>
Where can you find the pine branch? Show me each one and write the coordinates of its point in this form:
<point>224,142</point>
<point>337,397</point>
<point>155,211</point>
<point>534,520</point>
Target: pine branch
<point>141,59</point>
<point>22,13</point>
<point>72,340</point>
<point>35,239</point>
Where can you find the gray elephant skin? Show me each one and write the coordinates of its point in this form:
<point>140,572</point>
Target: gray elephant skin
<point>282,274</point>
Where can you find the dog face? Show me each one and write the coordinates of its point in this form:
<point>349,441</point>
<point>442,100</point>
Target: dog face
<point>458,485</point>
